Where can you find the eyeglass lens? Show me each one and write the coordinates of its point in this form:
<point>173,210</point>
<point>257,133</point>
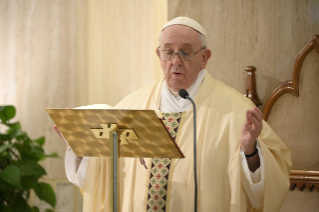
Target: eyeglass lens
<point>169,55</point>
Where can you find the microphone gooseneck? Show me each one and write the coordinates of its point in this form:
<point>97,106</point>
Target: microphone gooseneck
<point>184,94</point>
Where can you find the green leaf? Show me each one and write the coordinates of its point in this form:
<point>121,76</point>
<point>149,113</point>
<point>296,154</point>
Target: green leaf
<point>45,192</point>
<point>37,150</point>
<point>29,182</point>
<point>49,210</point>
<point>7,112</point>
<point>35,209</point>
<point>29,152</point>
<point>30,171</point>
<point>25,168</point>
<point>16,132</point>
<point>21,205</point>
<point>4,147</point>
<point>6,209</point>
<point>11,174</point>
<point>5,137</point>
<point>14,125</point>
<point>27,155</point>
<point>5,188</point>
<point>36,153</point>
<point>40,141</point>
<point>5,156</point>
<point>38,169</point>
<point>52,155</point>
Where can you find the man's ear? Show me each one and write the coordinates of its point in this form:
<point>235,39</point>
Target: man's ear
<point>206,55</point>
<point>157,52</point>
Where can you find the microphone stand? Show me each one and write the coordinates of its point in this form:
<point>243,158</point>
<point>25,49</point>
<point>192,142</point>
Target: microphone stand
<point>195,152</point>
<point>184,94</point>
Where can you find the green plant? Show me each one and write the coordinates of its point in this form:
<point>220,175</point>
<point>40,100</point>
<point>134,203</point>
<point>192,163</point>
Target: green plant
<point>20,170</point>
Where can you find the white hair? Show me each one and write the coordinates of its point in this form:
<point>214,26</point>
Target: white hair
<point>202,39</point>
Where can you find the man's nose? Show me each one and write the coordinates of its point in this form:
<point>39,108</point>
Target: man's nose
<point>177,60</point>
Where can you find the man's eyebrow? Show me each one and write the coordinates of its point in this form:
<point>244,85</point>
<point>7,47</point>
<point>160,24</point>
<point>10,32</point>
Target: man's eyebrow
<point>185,44</point>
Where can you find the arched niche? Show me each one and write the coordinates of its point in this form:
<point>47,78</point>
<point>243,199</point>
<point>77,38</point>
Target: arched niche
<point>292,110</point>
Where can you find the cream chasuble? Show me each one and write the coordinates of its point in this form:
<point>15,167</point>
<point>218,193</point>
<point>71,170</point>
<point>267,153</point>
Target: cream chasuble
<point>221,115</point>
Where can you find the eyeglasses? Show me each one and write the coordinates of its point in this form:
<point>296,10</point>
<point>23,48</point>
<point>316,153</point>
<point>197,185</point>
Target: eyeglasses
<point>186,55</point>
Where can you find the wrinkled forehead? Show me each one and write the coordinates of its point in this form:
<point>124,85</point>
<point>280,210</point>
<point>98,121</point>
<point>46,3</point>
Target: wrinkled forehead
<point>180,35</point>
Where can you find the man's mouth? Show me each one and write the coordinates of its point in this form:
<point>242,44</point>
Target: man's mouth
<point>177,73</point>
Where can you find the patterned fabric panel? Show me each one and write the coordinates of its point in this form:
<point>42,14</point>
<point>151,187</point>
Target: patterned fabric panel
<point>158,186</point>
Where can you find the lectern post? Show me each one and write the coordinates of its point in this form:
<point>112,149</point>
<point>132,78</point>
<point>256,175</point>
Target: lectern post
<point>114,172</point>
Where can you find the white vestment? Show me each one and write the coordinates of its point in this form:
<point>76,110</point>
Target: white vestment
<point>253,183</point>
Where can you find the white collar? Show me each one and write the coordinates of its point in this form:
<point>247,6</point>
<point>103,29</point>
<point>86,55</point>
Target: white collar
<point>171,103</point>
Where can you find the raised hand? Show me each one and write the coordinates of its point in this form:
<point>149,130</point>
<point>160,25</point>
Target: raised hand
<point>251,130</point>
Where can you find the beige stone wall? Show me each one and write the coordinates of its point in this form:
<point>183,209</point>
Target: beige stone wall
<point>265,34</point>
<point>122,38</point>
<point>296,121</point>
<point>39,67</point>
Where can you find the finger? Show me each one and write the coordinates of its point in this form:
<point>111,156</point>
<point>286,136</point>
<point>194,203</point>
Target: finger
<point>257,116</point>
<point>57,130</point>
<point>248,121</point>
<point>259,112</point>
<point>255,122</point>
<point>257,126</point>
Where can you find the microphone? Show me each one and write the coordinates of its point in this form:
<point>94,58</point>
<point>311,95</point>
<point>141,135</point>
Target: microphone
<point>184,94</point>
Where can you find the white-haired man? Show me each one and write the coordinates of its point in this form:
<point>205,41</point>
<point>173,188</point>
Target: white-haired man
<point>241,162</point>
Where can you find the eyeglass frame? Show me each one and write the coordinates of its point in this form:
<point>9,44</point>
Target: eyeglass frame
<point>179,54</point>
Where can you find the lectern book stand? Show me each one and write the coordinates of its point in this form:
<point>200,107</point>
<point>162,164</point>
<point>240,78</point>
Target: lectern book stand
<point>115,133</point>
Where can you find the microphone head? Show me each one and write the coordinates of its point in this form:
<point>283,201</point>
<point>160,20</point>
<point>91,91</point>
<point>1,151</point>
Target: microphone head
<point>183,93</point>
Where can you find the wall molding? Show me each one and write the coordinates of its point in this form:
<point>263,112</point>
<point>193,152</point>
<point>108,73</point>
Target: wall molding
<point>291,86</point>
<point>298,178</point>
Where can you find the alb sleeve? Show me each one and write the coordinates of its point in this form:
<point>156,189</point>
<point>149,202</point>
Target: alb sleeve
<point>75,172</point>
<point>253,183</point>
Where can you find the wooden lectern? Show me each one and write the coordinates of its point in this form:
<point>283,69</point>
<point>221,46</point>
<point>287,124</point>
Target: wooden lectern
<point>115,133</point>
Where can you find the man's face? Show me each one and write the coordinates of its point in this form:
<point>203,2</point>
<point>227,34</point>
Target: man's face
<point>180,74</point>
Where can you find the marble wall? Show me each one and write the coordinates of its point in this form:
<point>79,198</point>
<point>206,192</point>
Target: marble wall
<point>264,34</point>
<point>122,38</point>
<point>39,67</point>
<point>296,121</point>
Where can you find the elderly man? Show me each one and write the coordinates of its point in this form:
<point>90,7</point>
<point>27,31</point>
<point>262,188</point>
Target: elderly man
<point>242,164</point>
